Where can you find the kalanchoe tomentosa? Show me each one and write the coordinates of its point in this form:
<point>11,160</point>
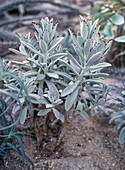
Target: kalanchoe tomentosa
<point>42,54</point>
<point>87,86</point>
<point>53,78</point>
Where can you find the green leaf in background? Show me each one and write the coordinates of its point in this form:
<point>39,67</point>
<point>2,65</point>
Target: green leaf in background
<point>107,31</point>
<point>107,15</point>
<point>98,15</point>
<point>95,8</point>
<point>120,39</point>
<point>102,26</point>
<point>117,19</point>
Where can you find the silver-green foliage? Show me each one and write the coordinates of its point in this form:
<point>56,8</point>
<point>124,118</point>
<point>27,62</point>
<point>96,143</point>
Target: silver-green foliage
<point>87,89</point>
<point>42,55</point>
<point>7,124</point>
<point>119,118</point>
<point>53,77</point>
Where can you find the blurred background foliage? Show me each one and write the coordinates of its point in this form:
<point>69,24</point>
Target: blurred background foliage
<point>17,17</point>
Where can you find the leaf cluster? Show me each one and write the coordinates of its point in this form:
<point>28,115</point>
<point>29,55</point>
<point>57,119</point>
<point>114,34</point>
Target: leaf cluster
<point>52,77</point>
<point>8,134</point>
<point>119,118</point>
<point>110,14</point>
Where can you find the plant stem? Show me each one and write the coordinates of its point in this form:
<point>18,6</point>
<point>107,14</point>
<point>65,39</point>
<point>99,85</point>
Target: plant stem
<point>64,130</point>
<point>46,125</point>
<point>38,133</point>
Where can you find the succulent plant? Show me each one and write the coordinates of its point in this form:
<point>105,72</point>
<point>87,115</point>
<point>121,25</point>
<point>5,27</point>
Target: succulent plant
<point>86,66</point>
<point>52,77</point>
<point>42,54</point>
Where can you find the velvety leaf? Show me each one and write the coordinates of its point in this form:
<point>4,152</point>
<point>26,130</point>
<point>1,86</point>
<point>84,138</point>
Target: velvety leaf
<point>75,67</point>
<point>95,32</point>
<point>39,30</point>
<point>53,31</point>
<point>31,73</point>
<point>99,66</point>
<point>74,60</point>
<point>16,52</point>
<point>35,62</point>
<point>96,75</point>
<point>70,100</point>
<point>31,47</point>
<point>96,81</point>
<point>34,96</point>
<point>62,83</point>
<point>74,39</point>
<point>84,30</point>
<point>89,27</point>
<point>94,26</point>
<point>43,112</point>
<point>40,77</point>
<point>69,66</point>
<point>63,74</point>
<point>56,56</point>
<point>79,107</point>
<point>69,89</point>
<point>43,46</point>
<point>58,115</point>
<point>87,46</point>
<point>31,89</point>
<point>79,54</point>
<point>53,75</point>
<point>94,58</point>
<point>16,107</point>
<point>49,106</point>
<point>23,115</point>
<point>53,62</point>
<point>52,89</point>
<point>120,39</point>
<point>55,44</point>
<point>46,36</point>
<point>84,115</point>
<point>57,102</point>
<point>12,87</point>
